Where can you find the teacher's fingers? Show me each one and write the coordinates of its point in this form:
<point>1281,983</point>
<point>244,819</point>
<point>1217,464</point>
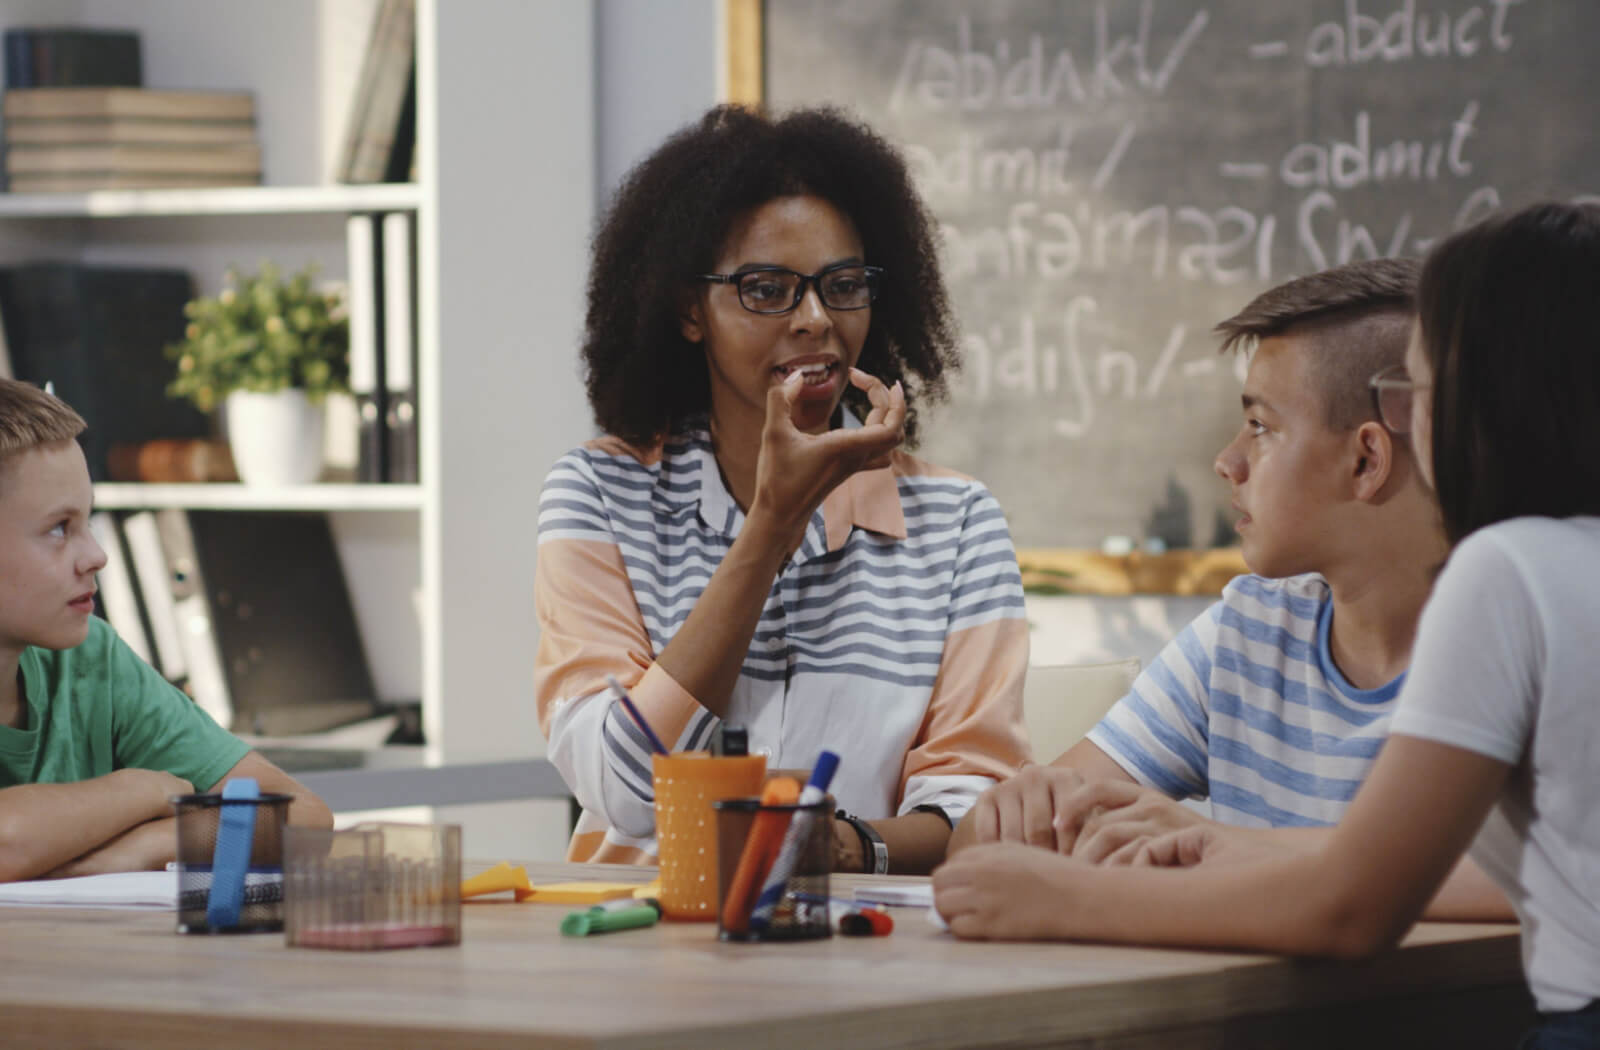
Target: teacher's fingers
<point>781,400</point>
<point>888,403</point>
<point>862,445</point>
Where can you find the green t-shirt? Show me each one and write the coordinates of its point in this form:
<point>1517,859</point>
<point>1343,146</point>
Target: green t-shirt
<point>99,708</point>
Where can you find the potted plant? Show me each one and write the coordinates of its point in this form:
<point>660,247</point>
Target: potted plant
<point>269,351</point>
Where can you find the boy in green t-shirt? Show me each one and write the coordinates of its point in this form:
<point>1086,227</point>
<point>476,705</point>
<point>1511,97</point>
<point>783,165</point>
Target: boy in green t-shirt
<point>93,742</point>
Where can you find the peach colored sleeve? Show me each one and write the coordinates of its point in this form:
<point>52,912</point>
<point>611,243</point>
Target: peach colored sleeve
<point>590,626</point>
<point>974,726</point>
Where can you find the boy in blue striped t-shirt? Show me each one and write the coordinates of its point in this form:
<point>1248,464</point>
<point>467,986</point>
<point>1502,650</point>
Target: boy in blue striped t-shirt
<point>1274,703</point>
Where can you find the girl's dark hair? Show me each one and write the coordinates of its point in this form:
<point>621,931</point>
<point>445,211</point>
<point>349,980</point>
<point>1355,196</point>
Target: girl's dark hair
<point>1510,320</point>
<point>668,224</point>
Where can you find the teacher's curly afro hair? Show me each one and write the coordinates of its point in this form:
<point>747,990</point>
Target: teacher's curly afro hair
<point>668,223</point>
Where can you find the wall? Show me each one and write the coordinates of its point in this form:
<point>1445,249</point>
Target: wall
<point>656,70</point>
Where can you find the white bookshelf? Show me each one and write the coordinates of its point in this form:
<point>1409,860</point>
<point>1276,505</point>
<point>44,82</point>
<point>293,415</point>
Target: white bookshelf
<point>230,200</point>
<point>442,572</point>
<point>332,497</point>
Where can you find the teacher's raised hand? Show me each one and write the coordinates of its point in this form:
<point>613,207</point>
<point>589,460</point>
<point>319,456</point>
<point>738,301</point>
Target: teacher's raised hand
<point>796,470</point>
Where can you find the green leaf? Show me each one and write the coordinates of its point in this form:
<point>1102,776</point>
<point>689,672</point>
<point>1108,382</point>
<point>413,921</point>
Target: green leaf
<point>262,333</point>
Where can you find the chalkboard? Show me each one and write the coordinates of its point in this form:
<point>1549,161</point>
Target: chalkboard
<point>1114,177</point>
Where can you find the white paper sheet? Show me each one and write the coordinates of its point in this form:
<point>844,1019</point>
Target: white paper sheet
<point>899,895</point>
<point>127,889</point>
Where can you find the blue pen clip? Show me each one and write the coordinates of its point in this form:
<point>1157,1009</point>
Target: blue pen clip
<point>236,832</point>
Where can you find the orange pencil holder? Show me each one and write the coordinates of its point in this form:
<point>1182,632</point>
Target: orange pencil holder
<point>686,784</point>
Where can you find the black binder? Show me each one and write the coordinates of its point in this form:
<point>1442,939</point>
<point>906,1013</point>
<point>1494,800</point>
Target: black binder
<point>280,619</point>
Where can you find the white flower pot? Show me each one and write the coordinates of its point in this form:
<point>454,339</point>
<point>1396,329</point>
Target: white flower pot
<point>276,438</point>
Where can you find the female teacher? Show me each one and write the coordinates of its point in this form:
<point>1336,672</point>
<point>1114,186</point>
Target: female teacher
<point>748,543</point>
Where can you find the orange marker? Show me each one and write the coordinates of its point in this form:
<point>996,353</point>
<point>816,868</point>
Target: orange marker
<point>760,850</point>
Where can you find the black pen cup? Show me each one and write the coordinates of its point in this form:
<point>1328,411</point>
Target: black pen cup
<point>199,820</point>
<point>773,863</point>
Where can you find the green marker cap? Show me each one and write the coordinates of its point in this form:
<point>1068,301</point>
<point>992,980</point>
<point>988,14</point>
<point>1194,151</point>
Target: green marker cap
<point>599,920</point>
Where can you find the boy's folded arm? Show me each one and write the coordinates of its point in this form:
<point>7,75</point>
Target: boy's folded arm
<point>146,847</point>
<point>43,826</point>
<point>307,810</point>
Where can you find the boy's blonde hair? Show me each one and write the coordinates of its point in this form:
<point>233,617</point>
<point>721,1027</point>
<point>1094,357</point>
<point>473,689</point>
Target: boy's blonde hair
<point>29,418</point>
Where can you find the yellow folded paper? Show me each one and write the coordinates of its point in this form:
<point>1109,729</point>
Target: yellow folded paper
<point>578,892</point>
<point>649,889</point>
<point>497,879</point>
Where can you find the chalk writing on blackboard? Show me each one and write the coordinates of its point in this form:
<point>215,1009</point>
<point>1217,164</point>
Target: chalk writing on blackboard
<point>1113,178</point>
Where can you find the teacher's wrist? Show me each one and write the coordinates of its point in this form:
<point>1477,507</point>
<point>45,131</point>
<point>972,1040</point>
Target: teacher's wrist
<point>774,529</point>
<point>874,852</point>
<point>848,856</point>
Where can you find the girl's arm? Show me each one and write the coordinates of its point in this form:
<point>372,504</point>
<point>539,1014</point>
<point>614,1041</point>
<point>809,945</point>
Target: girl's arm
<point>1354,894</point>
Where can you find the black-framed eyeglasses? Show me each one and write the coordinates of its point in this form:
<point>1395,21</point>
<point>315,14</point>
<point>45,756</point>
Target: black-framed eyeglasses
<point>776,290</point>
<point>1393,391</point>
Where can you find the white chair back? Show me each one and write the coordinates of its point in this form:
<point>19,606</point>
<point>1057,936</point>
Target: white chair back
<point>1062,702</point>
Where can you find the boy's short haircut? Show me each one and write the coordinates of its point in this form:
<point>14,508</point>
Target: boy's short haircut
<point>1357,317</point>
<point>29,418</point>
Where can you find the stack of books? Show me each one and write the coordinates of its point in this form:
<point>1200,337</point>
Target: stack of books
<point>74,139</point>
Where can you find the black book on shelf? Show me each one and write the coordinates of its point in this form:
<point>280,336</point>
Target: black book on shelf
<point>281,625</point>
<point>402,166</point>
<point>67,57</point>
<point>98,335</point>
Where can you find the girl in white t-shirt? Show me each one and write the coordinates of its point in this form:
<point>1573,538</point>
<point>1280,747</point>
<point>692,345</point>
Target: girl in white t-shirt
<point>1496,740</point>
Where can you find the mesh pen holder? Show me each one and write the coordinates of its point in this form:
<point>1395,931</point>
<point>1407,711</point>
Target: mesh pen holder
<point>376,885</point>
<point>790,901</point>
<point>200,818</point>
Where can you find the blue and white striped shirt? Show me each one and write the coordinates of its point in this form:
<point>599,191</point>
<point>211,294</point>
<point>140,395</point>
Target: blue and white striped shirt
<point>895,635</point>
<point>1246,707</point>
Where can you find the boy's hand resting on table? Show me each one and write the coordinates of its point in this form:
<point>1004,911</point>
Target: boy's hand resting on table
<point>1055,808</point>
<point>1104,821</point>
<point>1023,809</point>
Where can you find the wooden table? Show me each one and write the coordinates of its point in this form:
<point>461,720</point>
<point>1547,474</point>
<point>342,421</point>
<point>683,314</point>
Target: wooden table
<point>97,978</point>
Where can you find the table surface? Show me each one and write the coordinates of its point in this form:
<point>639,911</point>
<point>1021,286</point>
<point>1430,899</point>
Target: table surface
<point>74,977</point>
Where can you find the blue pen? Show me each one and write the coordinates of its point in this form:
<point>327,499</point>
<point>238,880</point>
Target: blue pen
<point>627,702</point>
<point>236,826</point>
<point>794,841</point>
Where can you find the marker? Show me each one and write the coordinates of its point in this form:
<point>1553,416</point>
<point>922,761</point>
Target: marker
<point>852,918</point>
<point>794,841</point>
<point>627,703</point>
<point>607,920</point>
<point>230,859</point>
<point>868,922</point>
<point>761,848</point>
